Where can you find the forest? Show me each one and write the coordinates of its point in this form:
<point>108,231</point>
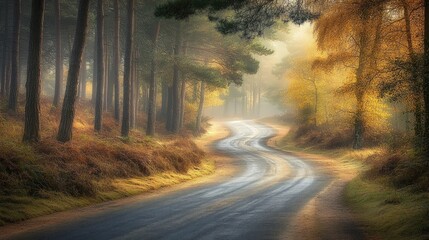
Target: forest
<point>106,99</point>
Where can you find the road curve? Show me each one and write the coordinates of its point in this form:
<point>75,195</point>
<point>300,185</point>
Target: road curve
<point>257,203</point>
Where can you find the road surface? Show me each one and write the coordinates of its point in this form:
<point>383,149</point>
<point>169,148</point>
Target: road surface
<point>256,203</point>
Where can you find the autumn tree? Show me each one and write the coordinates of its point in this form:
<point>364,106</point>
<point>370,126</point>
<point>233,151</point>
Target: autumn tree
<point>334,30</point>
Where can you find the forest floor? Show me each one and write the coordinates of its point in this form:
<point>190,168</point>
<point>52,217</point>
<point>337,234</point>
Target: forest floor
<point>384,211</point>
<point>48,177</point>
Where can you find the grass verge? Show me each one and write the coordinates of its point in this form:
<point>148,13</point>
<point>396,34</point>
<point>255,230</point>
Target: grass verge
<point>388,210</point>
<point>49,176</point>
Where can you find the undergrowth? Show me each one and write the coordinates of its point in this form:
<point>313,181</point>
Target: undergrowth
<point>50,176</point>
<point>391,195</point>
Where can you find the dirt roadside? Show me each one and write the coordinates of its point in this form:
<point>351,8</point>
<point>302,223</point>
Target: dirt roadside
<point>325,216</point>
<point>224,170</point>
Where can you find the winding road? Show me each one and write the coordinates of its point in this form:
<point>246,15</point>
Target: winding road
<point>257,203</point>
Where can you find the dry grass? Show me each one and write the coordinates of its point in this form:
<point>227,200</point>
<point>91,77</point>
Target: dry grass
<point>51,176</point>
<point>391,194</point>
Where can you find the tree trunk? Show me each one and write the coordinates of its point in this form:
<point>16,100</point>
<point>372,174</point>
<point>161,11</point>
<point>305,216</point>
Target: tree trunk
<point>169,124</point>
<point>14,81</point>
<point>132,93</point>
<point>8,74</point>
<point>83,76</point>
<point>200,108</point>
<point>5,63</point>
<point>67,113</point>
<point>426,79</point>
<point>4,49</point>
<point>316,101</point>
<point>59,55</point>
<point>182,103</point>
<point>125,129</point>
<point>360,83</point>
<point>109,95</point>
<point>176,82</point>
<point>94,71</point>
<point>116,56</point>
<point>416,83</point>
<point>194,91</point>
<point>106,79</point>
<point>244,104</point>
<point>100,67</point>
<point>164,100</point>
<point>33,86</point>
<point>183,92</point>
<point>359,123</point>
<point>136,90</point>
<point>151,112</point>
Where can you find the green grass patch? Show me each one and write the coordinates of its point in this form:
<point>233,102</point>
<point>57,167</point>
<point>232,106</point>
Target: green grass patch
<point>389,212</point>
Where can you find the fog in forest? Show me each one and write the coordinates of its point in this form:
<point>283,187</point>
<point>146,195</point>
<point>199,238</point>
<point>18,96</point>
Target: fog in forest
<point>289,106</point>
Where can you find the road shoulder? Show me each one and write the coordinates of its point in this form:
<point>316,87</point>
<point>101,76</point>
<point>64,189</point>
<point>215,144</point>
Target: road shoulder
<point>325,216</point>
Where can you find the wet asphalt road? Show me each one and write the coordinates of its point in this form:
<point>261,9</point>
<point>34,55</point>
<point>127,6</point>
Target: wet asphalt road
<point>257,203</point>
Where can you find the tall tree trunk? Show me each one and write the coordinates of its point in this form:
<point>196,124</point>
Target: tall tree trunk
<point>68,110</point>
<point>426,79</point>
<point>416,83</point>
<point>169,123</point>
<point>115,63</point>
<point>361,74</point>
<point>132,93</point>
<point>14,81</point>
<point>125,129</point>
<point>151,112</point>
<point>6,59</point>
<point>136,94</point>
<point>94,71</point>
<point>200,108</point>
<point>109,95</point>
<point>3,48</point>
<point>106,79</point>
<point>316,101</point>
<point>59,55</point>
<point>83,76</point>
<point>8,73</point>
<point>33,86</point>
<point>164,100</point>
<point>194,91</point>
<point>100,67</point>
<point>176,82</point>
<point>183,91</point>
<point>182,102</point>
<point>244,104</point>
